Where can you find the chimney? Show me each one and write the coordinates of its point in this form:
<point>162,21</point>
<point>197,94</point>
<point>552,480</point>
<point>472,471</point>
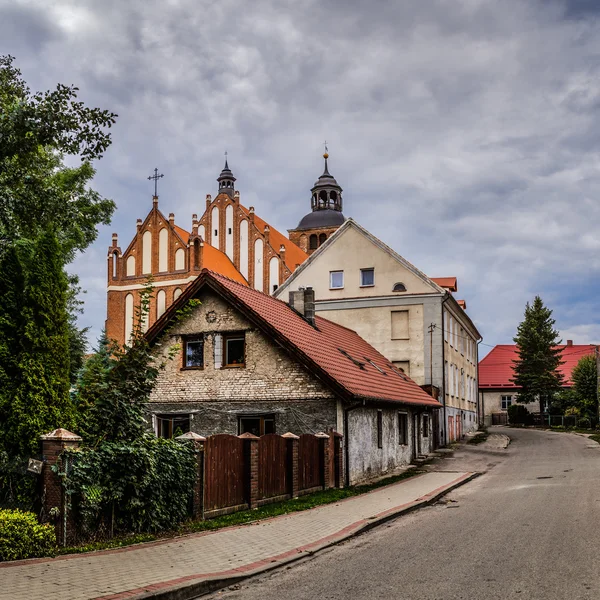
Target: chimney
<point>569,343</point>
<point>303,301</point>
<point>171,219</point>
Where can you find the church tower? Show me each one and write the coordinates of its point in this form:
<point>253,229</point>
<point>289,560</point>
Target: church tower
<point>326,215</point>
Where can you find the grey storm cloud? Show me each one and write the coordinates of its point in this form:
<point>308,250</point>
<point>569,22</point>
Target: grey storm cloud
<point>463,133</point>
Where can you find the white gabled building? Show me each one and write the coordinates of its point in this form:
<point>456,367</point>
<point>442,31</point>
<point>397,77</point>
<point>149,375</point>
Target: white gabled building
<point>412,319</point>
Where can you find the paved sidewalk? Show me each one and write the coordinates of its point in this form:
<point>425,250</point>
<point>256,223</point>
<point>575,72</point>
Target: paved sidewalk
<point>180,567</point>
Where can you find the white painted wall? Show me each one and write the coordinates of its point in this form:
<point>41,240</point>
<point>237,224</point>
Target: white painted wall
<point>214,234</point>
<point>229,231</point>
<point>179,259</point>
<point>258,265</point>
<point>146,253</point>
<point>130,266</point>
<point>244,267</point>
<point>128,317</point>
<point>163,250</point>
<point>273,273</point>
<point>161,303</point>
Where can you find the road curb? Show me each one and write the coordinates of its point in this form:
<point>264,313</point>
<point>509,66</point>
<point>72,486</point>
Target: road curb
<point>182,590</point>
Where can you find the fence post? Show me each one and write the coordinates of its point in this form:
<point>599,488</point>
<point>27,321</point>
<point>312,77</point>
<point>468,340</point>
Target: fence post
<point>198,493</point>
<point>251,455</point>
<point>324,465</point>
<point>292,466</point>
<point>53,496</point>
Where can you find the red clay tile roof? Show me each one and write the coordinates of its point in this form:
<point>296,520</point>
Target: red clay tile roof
<point>449,283</point>
<point>496,369</point>
<point>320,345</point>
<point>462,304</point>
<point>185,235</point>
<point>293,254</point>
<point>217,261</point>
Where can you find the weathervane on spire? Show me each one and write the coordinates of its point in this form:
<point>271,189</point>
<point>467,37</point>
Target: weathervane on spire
<point>326,154</point>
<point>156,177</point>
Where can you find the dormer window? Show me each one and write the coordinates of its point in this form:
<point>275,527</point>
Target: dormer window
<point>367,277</point>
<point>399,287</point>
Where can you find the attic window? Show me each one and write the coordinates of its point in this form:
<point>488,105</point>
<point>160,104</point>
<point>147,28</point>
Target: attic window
<point>399,287</point>
<point>377,367</point>
<point>359,364</point>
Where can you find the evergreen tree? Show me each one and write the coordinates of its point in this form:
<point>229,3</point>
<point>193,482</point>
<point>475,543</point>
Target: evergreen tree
<point>41,401</point>
<point>585,385</point>
<point>536,369</point>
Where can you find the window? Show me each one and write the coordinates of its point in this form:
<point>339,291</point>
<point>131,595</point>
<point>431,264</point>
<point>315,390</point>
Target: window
<point>235,350</point>
<point>400,325</point>
<point>256,424</point>
<point>425,425</point>
<point>313,242</point>
<point>399,287</point>
<point>193,355</point>
<point>168,426</point>
<point>403,365</point>
<point>367,277</point>
<point>506,402</point>
<point>402,429</point>
<point>379,429</point>
<point>322,238</point>
<point>336,280</point>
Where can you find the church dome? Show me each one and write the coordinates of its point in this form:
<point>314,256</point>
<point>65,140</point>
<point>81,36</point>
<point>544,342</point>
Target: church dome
<point>321,218</point>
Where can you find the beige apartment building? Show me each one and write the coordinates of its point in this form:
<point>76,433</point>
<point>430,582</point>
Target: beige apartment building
<point>412,319</point>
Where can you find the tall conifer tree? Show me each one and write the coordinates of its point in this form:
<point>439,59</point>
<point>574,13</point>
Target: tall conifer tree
<point>536,369</point>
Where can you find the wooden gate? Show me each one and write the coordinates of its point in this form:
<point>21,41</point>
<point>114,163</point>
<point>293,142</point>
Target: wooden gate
<point>309,462</point>
<point>225,472</point>
<point>272,466</point>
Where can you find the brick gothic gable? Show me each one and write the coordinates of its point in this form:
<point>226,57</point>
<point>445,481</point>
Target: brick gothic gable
<point>228,239</point>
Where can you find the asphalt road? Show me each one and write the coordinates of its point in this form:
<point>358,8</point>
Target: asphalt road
<point>529,528</point>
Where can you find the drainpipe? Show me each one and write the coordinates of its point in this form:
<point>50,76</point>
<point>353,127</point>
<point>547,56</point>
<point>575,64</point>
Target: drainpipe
<point>444,370</point>
<point>347,443</point>
<point>480,410</point>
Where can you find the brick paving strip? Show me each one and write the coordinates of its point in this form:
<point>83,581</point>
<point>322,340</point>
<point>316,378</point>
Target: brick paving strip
<point>185,567</point>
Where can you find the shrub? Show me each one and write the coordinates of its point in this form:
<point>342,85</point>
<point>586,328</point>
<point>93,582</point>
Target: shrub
<point>141,486</point>
<point>518,414</point>
<point>584,423</point>
<point>21,536</point>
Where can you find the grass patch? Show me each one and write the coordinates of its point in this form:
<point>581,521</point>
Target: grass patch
<point>595,437</point>
<point>243,517</point>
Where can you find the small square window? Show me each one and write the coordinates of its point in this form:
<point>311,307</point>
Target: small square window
<point>169,426</point>
<point>336,280</point>
<point>402,429</point>
<point>235,350</point>
<point>425,425</point>
<point>256,424</point>
<point>194,353</point>
<point>367,277</point>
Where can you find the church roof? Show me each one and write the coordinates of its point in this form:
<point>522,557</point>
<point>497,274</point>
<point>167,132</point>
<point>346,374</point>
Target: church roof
<point>321,218</point>
<point>294,255</point>
<point>218,261</point>
<point>333,353</point>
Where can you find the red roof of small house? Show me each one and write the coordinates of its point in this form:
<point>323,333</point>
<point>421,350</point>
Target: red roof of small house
<point>462,304</point>
<point>496,369</point>
<point>449,283</point>
<point>330,351</point>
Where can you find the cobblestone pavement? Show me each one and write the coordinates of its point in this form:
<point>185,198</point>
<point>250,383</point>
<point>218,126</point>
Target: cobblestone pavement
<point>128,572</point>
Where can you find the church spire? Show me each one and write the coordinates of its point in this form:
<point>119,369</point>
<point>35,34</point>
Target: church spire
<point>226,180</point>
<point>326,193</point>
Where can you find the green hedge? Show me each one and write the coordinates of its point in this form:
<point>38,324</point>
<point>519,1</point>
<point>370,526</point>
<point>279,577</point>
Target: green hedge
<point>141,486</point>
<point>21,536</point>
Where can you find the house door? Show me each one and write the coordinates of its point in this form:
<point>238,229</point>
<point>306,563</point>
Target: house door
<point>450,429</point>
<point>416,436</point>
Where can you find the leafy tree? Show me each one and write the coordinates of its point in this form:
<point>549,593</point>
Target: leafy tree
<point>585,385</point>
<point>536,368</point>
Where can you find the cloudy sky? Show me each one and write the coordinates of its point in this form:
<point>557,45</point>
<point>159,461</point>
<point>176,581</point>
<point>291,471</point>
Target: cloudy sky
<point>464,132</point>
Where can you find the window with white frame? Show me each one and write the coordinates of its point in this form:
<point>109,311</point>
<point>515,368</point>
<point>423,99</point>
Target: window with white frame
<point>505,402</point>
<point>367,277</point>
<point>336,280</point>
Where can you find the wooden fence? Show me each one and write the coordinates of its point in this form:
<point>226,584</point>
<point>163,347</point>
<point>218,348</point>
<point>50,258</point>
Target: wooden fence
<point>242,472</point>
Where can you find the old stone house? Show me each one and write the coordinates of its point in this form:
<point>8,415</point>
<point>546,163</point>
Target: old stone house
<point>247,362</point>
<point>414,320</point>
